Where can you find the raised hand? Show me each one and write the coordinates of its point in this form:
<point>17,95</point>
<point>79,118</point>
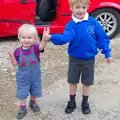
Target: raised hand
<point>10,54</point>
<point>47,30</point>
<point>46,34</point>
<point>12,58</point>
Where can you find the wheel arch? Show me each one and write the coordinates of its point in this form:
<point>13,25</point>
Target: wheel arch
<point>117,10</point>
<point>107,5</point>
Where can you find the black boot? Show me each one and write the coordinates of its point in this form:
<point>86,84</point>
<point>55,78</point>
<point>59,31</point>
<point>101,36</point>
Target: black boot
<point>85,108</point>
<point>70,107</point>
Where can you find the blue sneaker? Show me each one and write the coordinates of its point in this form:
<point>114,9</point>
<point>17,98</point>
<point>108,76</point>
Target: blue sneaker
<point>21,113</point>
<point>35,108</point>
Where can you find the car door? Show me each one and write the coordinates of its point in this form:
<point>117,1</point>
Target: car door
<point>14,13</point>
<point>64,11</point>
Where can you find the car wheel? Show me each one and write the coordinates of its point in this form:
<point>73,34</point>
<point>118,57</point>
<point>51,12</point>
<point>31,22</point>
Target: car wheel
<point>109,20</point>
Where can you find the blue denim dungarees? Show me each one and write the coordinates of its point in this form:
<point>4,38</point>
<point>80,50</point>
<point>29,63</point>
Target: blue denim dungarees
<point>28,75</point>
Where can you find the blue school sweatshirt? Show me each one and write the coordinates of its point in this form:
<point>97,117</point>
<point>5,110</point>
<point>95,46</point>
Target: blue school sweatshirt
<point>85,38</point>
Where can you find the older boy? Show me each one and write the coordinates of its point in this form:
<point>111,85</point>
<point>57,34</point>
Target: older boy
<point>85,36</point>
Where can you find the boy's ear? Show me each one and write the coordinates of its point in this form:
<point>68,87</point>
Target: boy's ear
<point>88,5</point>
<point>70,7</point>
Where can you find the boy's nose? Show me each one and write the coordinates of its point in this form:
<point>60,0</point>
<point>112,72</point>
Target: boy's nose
<point>81,10</point>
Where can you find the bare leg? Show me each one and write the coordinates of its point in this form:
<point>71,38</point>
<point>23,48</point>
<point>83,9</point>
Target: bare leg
<point>33,98</point>
<point>22,103</point>
<point>72,89</point>
<point>85,90</point>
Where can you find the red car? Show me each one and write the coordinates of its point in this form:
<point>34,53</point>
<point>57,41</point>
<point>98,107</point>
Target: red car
<point>55,15</point>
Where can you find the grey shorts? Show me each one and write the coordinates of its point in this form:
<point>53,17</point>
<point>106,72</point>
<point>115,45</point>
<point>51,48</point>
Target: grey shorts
<point>81,69</point>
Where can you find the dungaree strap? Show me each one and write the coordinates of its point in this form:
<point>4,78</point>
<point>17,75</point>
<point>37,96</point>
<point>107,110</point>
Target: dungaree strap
<point>20,50</point>
<point>32,49</point>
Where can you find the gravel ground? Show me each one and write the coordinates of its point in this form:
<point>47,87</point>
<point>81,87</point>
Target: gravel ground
<point>105,96</point>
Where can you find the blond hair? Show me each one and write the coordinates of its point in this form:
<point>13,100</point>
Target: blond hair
<point>74,2</point>
<point>29,28</point>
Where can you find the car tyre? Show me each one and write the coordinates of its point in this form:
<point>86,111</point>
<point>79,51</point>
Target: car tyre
<point>109,19</point>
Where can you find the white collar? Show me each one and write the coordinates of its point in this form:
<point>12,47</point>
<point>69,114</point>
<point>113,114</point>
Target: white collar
<point>76,20</point>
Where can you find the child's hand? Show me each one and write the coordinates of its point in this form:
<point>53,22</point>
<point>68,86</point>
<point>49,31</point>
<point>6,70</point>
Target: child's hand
<point>108,60</point>
<point>12,58</point>
<point>10,54</point>
<point>47,30</point>
<point>46,33</point>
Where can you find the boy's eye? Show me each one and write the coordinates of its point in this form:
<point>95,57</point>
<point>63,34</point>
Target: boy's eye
<point>84,7</point>
<point>77,7</point>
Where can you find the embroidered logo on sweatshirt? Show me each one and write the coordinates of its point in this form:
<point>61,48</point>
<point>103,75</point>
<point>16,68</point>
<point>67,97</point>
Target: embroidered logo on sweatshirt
<point>91,30</point>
